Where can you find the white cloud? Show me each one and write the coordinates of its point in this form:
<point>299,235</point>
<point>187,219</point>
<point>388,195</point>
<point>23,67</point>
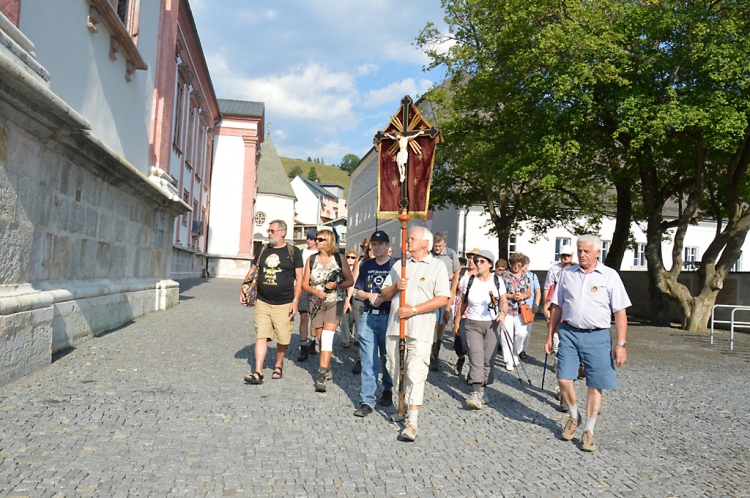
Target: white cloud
<point>312,92</point>
<point>366,69</point>
<point>395,91</point>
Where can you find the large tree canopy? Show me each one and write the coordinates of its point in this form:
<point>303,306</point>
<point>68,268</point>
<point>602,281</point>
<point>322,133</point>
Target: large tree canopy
<point>644,100</point>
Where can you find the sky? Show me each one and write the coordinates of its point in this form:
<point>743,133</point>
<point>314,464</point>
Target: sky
<point>330,72</point>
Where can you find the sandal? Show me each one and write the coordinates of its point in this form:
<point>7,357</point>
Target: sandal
<point>254,378</point>
<point>278,372</point>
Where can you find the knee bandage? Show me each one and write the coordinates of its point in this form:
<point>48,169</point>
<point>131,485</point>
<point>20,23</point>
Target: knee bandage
<point>326,340</point>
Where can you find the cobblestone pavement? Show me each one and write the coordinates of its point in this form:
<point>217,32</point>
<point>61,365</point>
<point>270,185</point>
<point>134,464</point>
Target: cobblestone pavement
<point>159,408</point>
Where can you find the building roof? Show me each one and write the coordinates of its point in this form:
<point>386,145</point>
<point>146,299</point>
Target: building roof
<point>272,178</point>
<point>242,108</point>
<point>316,189</point>
<point>325,185</point>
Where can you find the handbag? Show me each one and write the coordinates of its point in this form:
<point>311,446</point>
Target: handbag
<point>249,287</point>
<point>524,310</point>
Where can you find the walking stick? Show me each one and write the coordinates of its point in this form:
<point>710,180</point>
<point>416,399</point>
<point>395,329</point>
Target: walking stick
<point>403,217</point>
<point>544,372</point>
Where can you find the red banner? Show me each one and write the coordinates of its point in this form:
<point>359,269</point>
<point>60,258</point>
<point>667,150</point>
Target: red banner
<point>421,157</point>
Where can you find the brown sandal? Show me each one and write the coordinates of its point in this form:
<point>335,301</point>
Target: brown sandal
<point>278,372</point>
<point>254,378</point>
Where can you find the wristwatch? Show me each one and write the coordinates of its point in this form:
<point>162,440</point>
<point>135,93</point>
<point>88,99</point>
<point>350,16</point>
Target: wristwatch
<point>414,310</point>
<point>621,344</point>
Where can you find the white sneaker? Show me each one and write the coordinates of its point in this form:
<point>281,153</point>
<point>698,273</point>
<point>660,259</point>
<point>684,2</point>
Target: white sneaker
<point>474,402</point>
<point>509,367</point>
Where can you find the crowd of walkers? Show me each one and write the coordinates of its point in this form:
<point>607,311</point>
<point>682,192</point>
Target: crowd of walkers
<point>488,303</point>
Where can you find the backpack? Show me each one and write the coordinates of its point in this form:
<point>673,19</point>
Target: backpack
<point>471,281</point>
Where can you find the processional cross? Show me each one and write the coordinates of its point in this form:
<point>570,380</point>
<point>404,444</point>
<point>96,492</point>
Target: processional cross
<point>404,136</point>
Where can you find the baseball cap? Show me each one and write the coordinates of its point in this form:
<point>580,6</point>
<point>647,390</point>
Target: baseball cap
<point>380,236</point>
<point>566,249</point>
<point>486,255</point>
<point>312,233</point>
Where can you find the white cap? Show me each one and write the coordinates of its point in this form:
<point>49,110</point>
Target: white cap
<point>566,249</point>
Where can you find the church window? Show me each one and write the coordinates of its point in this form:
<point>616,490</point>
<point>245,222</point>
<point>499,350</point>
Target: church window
<point>260,218</point>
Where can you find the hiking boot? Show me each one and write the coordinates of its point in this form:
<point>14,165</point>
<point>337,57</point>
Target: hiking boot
<point>323,376</point>
<point>562,407</point>
<point>357,369</point>
<point>485,398</point>
<point>386,399</point>
<point>569,431</point>
<point>312,348</point>
<point>459,366</point>
<point>410,432</point>
<point>523,355</point>
<point>363,410</point>
<point>587,442</point>
<point>475,401</point>
<point>303,354</point>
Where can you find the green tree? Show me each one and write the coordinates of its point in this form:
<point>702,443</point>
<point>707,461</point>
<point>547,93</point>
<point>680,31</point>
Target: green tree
<point>294,172</point>
<point>312,175</point>
<point>349,162</point>
<point>647,100</point>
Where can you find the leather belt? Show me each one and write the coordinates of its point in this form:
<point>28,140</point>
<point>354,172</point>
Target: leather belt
<point>577,329</point>
<point>375,312</point>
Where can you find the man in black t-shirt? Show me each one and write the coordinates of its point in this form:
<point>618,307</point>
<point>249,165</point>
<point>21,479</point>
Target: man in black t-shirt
<point>279,278</point>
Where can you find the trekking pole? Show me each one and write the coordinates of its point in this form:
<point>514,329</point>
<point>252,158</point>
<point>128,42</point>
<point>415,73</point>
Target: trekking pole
<point>545,369</point>
<point>510,348</point>
<point>520,362</point>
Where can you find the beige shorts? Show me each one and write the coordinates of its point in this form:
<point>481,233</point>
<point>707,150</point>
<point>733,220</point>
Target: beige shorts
<point>329,312</point>
<point>272,322</point>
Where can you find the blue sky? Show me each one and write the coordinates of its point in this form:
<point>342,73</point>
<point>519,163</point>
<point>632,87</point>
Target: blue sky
<point>330,72</point>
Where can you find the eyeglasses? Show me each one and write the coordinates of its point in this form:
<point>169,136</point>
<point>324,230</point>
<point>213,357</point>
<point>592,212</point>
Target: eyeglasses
<point>273,231</point>
<point>480,260</point>
<point>320,239</point>
<point>351,257</point>
<point>566,255</point>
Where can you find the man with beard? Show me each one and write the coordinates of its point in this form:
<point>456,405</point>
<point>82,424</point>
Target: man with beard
<point>279,280</point>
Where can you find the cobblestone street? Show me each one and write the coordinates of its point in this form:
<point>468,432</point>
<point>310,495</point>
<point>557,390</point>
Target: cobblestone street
<point>159,408</point>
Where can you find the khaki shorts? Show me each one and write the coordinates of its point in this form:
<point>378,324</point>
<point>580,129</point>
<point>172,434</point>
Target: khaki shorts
<point>329,312</point>
<point>272,322</point>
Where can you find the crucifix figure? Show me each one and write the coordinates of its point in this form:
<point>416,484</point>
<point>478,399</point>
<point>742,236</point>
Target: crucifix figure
<point>404,137</point>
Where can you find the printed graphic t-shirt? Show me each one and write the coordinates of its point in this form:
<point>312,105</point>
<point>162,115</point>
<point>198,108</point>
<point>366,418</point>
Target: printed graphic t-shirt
<point>371,278</point>
<point>276,275</point>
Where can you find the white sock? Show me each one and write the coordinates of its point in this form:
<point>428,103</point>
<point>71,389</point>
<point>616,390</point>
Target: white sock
<point>573,411</point>
<point>590,423</point>
<point>413,417</point>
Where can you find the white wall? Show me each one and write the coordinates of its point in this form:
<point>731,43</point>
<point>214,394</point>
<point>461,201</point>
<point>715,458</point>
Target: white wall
<point>83,75</point>
<point>308,205</point>
<point>225,215</point>
<point>276,207</point>
<point>542,252</point>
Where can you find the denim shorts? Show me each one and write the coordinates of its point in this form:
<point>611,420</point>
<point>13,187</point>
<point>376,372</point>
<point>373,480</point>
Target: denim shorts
<point>593,349</point>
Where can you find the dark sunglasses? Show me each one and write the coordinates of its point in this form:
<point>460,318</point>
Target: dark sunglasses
<point>480,260</point>
<point>320,239</point>
<point>351,257</point>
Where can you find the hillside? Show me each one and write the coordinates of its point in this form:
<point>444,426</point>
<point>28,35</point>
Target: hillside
<point>327,174</point>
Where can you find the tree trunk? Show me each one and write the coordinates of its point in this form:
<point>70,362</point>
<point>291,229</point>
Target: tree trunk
<point>698,319</point>
<point>624,215</point>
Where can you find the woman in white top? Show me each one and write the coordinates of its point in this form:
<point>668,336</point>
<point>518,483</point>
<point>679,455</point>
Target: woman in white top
<point>486,308</point>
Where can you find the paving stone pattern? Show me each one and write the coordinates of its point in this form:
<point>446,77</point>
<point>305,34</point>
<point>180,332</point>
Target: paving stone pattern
<point>159,408</point>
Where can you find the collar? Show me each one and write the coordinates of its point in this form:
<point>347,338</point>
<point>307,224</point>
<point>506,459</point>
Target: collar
<point>577,268</point>
<point>426,259</point>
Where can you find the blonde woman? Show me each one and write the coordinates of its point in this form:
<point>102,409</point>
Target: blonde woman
<point>325,279</point>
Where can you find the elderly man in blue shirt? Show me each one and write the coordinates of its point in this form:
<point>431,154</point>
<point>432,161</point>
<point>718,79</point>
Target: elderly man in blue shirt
<point>586,296</point>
